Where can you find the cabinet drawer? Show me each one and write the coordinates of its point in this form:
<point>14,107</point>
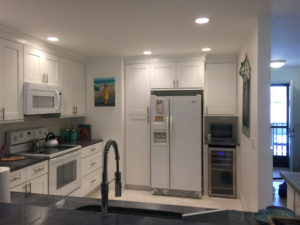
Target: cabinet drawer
<point>36,170</point>
<point>91,163</point>
<point>17,177</point>
<point>90,182</point>
<point>92,149</point>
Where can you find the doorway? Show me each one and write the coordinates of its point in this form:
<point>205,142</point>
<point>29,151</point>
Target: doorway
<point>280,125</point>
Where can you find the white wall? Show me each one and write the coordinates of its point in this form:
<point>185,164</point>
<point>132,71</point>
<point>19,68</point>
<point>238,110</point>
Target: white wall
<point>107,122</point>
<point>252,153</point>
<point>285,75</point>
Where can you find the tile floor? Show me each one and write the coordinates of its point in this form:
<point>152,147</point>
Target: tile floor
<point>146,196</point>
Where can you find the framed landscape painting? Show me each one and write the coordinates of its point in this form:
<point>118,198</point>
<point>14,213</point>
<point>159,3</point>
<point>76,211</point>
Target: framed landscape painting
<point>104,92</point>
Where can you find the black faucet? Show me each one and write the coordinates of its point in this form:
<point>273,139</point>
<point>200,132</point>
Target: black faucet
<point>105,183</point>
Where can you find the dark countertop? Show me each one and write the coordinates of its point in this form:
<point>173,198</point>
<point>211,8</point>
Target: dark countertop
<point>84,142</point>
<point>50,209</point>
<point>28,161</point>
<point>293,179</point>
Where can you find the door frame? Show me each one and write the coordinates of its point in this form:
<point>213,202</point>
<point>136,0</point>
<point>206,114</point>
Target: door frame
<point>283,161</point>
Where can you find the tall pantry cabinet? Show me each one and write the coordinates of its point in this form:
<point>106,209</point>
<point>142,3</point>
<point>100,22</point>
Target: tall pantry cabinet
<point>11,77</point>
<point>137,83</point>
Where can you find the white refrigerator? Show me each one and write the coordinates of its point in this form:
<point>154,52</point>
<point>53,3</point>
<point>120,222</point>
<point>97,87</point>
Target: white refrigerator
<point>176,145</point>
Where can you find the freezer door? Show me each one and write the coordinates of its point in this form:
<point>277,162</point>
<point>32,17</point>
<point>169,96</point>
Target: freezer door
<point>160,142</point>
<point>185,143</point>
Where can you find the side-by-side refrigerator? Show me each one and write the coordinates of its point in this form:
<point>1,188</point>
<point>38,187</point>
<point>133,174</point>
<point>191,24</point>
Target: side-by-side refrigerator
<point>176,145</point>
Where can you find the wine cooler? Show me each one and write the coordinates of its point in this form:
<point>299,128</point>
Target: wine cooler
<point>222,172</point>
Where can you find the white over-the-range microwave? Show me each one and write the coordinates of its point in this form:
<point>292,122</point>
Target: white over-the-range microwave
<point>42,99</point>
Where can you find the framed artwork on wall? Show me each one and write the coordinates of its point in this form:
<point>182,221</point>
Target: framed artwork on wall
<point>104,92</point>
<point>245,72</point>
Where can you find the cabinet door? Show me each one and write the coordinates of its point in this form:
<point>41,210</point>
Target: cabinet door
<point>50,67</point>
<point>163,75</point>
<point>220,89</point>
<point>20,188</point>
<point>137,85</point>
<point>78,89</point>
<point>33,65</point>
<point>137,150</point>
<point>11,80</point>
<point>66,71</point>
<point>39,185</point>
<point>190,74</point>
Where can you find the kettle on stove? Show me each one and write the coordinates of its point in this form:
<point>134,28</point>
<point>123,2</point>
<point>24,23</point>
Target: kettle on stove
<point>50,141</point>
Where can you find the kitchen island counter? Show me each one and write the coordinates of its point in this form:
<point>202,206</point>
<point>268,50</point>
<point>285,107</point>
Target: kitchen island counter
<point>49,209</point>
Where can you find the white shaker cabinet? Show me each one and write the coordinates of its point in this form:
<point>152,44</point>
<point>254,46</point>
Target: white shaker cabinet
<point>41,67</point>
<point>190,74</point>
<point>11,77</point>
<point>137,87</point>
<point>220,89</point>
<point>163,75</point>
<point>73,80</point>
<point>31,179</point>
<point>177,75</point>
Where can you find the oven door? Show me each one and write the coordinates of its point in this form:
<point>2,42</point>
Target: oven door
<point>65,173</point>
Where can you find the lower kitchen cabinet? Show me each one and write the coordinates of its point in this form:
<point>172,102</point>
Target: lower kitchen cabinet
<point>32,179</point>
<point>91,161</point>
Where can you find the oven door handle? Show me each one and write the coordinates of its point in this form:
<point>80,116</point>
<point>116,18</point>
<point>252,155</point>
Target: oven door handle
<point>66,156</point>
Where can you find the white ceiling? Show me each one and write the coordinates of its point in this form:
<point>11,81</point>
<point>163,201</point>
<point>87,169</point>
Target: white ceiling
<point>286,31</point>
<point>127,27</point>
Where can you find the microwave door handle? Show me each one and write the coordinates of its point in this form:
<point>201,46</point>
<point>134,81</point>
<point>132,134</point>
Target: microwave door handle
<point>58,97</point>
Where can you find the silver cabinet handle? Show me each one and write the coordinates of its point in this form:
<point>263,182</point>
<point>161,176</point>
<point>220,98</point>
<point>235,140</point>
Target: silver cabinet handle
<point>3,113</point>
<point>38,169</point>
<point>93,163</point>
<point>73,110</point>
<point>43,78</point>
<point>25,187</point>
<point>173,83</point>
<point>177,83</point>
<point>148,115</point>
<point>29,187</point>
<point>93,181</point>
<point>15,178</point>
<point>76,110</point>
<point>47,78</point>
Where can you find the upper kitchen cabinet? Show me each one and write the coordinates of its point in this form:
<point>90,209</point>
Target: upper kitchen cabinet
<point>190,75</point>
<point>163,75</point>
<point>73,80</point>
<point>220,89</point>
<point>41,67</point>
<point>177,75</point>
<point>11,77</point>
<point>137,87</point>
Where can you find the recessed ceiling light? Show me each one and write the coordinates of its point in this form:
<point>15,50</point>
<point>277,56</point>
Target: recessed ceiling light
<point>202,20</point>
<point>206,49</point>
<point>52,38</point>
<point>277,63</point>
<point>147,52</point>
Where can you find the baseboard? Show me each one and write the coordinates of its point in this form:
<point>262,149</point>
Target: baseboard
<point>137,187</point>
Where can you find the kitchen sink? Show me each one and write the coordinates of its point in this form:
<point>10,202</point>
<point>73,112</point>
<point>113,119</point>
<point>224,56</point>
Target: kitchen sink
<point>134,212</point>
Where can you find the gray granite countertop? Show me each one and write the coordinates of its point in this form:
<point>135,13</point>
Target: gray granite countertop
<point>293,179</point>
<point>84,142</point>
<point>28,161</point>
<point>49,209</point>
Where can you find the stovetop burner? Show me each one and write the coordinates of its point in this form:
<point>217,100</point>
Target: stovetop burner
<point>52,152</point>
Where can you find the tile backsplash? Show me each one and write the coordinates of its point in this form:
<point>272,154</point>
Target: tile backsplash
<point>53,124</point>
